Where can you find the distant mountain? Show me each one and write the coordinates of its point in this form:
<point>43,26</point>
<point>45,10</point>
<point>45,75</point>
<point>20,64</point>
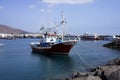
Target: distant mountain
<point>8,29</point>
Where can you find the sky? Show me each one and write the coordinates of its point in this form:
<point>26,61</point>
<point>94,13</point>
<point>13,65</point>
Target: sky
<point>92,16</point>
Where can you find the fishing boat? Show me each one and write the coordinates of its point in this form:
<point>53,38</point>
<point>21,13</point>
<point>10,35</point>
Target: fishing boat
<point>53,43</point>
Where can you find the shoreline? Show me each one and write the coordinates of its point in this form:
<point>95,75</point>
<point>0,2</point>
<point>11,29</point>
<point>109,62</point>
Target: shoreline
<point>109,71</point>
<point>114,44</point>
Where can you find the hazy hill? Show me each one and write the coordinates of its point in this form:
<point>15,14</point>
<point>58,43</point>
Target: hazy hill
<point>8,29</point>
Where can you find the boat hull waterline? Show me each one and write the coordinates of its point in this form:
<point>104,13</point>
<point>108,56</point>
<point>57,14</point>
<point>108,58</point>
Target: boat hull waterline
<point>60,49</point>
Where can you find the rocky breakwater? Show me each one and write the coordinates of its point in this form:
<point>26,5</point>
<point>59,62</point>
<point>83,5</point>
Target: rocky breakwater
<point>110,71</point>
<point>114,44</point>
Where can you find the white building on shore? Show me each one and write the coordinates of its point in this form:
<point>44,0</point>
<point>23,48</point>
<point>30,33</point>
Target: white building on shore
<point>5,35</point>
<point>12,36</point>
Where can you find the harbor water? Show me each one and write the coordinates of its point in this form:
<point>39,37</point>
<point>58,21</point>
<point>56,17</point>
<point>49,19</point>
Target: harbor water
<point>17,62</point>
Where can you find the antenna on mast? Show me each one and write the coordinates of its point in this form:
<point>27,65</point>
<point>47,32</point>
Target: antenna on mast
<point>63,18</point>
<point>42,28</point>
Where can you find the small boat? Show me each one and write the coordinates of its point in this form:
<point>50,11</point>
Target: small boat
<point>1,44</point>
<point>87,36</point>
<point>111,38</point>
<point>52,43</point>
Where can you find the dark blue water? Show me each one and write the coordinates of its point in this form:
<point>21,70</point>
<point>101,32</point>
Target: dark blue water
<point>17,62</point>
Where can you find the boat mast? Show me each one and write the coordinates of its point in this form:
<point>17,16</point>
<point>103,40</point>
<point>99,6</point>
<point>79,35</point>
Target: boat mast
<point>63,28</point>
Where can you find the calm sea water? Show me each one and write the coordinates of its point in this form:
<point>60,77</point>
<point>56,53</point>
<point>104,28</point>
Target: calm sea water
<point>17,62</point>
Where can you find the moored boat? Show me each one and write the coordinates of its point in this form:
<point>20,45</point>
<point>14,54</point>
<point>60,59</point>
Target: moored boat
<point>58,48</point>
<point>52,43</point>
<point>87,36</point>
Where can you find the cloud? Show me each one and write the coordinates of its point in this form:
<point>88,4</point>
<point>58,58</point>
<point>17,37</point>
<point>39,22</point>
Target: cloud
<point>45,10</point>
<point>42,10</point>
<point>67,1</point>
<point>1,7</point>
<point>32,6</point>
<point>50,5</point>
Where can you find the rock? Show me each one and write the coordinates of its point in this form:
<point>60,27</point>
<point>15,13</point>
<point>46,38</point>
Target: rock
<point>114,44</point>
<point>104,72</point>
<point>115,75</point>
<point>93,78</point>
<point>99,73</point>
<point>110,71</point>
<point>114,62</point>
<point>83,76</point>
<point>75,75</point>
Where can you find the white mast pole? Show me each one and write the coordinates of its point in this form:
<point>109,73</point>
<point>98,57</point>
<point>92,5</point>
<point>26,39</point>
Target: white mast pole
<point>63,23</point>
